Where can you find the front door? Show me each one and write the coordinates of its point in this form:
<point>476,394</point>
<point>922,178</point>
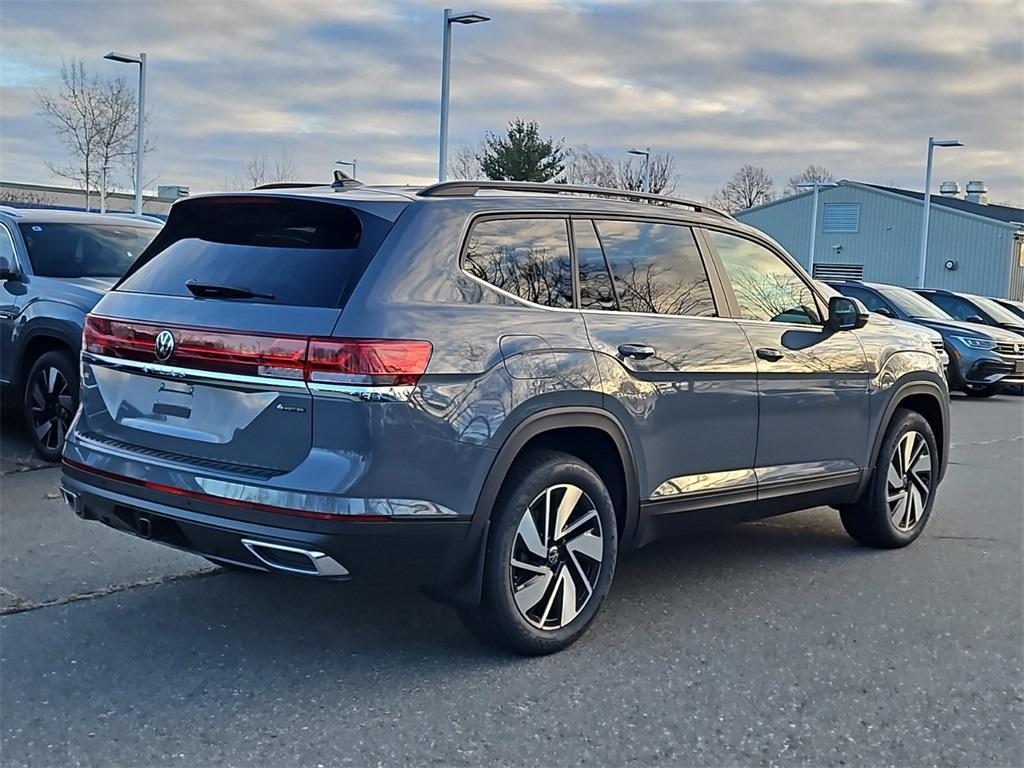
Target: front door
<point>679,377</point>
<point>12,294</point>
<point>812,382</point>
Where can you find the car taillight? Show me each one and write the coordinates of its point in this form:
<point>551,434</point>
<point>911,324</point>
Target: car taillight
<point>363,362</point>
<point>367,362</point>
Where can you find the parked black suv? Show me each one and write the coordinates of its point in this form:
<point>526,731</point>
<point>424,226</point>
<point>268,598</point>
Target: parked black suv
<point>975,309</point>
<point>983,360</point>
<point>488,389</point>
<point>54,266</point>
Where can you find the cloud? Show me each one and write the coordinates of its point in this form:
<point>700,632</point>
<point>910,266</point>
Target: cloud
<point>855,86</point>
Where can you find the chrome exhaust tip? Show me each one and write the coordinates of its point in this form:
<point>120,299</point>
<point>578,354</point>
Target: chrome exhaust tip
<point>305,562</point>
<point>71,500</point>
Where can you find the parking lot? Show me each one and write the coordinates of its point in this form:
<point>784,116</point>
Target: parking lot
<point>779,642</point>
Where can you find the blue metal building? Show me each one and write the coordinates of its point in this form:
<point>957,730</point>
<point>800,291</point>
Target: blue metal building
<point>873,232</point>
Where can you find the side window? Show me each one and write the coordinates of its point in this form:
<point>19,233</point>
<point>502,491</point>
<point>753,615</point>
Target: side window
<point>766,287</point>
<point>596,290</point>
<point>528,258</point>
<point>955,306</point>
<point>871,300</point>
<point>7,246</point>
<point>656,268</point>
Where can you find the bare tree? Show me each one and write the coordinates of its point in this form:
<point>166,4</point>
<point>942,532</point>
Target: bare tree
<point>260,169</point>
<point>95,120</point>
<point>585,166</point>
<point>663,174</point>
<point>748,187</point>
<point>464,165</point>
<point>809,175</point>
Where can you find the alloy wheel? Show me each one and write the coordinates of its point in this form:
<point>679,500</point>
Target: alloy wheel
<point>908,482</point>
<point>51,407</point>
<point>556,556</point>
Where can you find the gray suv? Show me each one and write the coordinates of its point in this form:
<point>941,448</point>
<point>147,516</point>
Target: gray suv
<point>54,266</point>
<point>488,389</point>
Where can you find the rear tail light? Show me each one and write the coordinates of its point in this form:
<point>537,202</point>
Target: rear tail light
<point>363,362</point>
<point>367,362</point>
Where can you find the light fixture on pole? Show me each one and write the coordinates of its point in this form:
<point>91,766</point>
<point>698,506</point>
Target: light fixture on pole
<point>646,154</point>
<point>125,58</point>
<point>815,185</point>
<point>351,163</point>
<point>103,187</point>
<point>466,17</point>
<point>923,260</point>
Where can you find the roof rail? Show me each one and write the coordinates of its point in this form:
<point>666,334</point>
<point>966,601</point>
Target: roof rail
<point>10,211</point>
<point>289,185</point>
<point>469,188</point>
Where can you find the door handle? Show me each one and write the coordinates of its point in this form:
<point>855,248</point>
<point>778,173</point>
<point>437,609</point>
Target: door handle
<point>636,351</point>
<point>767,353</point>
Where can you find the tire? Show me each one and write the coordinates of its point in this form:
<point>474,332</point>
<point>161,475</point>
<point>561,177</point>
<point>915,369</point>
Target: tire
<point>542,555</point>
<point>982,391</point>
<point>898,501</point>
<point>49,402</point>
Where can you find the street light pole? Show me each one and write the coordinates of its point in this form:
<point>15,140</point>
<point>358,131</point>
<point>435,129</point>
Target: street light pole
<point>139,143</point>
<point>923,259</point>
<point>103,188</point>
<point>646,153</point>
<point>816,186</point>
<point>467,17</point>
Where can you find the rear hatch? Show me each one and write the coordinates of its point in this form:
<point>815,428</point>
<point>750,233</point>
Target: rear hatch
<point>199,355</point>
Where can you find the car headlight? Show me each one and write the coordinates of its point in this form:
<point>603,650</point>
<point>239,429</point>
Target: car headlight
<point>975,343</point>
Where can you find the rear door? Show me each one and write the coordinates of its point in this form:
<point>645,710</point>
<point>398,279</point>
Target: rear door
<point>812,383</point>
<point>199,354</point>
<point>679,376</point>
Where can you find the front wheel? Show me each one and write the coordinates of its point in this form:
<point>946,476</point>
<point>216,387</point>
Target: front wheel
<point>50,401</point>
<point>898,501</point>
<point>550,556</point>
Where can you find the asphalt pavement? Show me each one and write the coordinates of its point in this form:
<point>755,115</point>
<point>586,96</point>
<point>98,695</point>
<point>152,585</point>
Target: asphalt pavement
<point>772,643</point>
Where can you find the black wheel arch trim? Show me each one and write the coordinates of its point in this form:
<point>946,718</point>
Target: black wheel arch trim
<point>903,391</point>
<point>467,592</point>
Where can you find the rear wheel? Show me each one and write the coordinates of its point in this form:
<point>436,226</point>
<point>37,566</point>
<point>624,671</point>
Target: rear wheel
<point>550,556</point>
<point>898,501</point>
<point>50,401</point>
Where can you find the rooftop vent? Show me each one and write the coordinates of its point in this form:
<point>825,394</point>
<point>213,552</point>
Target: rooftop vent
<point>977,192</point>
<point>951,189</point>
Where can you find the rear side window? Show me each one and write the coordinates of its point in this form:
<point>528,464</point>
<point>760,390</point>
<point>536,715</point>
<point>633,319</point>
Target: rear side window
<point>528,258</point>
<point>282,251</point>
<point>84,250</point>
<point>656,268</point>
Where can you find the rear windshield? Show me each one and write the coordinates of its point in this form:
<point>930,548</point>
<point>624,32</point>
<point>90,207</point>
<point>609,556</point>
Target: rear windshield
<point>260,249</point>
<point>84,250</point>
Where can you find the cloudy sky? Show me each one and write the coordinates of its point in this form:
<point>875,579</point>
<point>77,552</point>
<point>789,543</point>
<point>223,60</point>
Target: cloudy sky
<point>855,86</point>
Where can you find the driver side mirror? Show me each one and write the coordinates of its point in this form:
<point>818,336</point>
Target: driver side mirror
<point>7,270</point>
<point>976,319</point>
<point>883,311</point>
<point>846,314</point>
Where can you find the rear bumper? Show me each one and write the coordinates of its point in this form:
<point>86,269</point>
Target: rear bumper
<point>434,553</point>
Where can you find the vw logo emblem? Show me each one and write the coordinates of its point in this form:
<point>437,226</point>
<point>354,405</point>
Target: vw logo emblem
<point>164,346</point>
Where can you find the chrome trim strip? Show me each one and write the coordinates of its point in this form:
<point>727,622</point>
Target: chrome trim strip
<point>193,374</point>
<point>363,393</point>
<point>322,563</point>
<point>779,479</point>
<point>706,482</point>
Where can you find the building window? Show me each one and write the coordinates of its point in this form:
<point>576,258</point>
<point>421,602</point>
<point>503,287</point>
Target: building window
<point>841,217</point>
<point>838,271</point>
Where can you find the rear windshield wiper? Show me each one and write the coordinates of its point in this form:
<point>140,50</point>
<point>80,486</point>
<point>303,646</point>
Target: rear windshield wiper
<point>211,291</point>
